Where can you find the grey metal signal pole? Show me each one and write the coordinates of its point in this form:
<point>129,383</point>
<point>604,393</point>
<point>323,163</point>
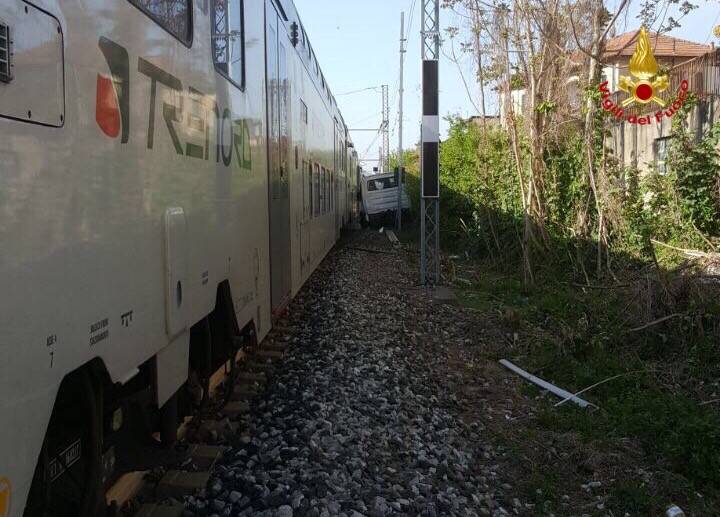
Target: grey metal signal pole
<point>430,152</point>
<point>398,217</point>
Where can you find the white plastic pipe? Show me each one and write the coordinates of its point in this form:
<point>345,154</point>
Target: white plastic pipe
<point>545,385</point>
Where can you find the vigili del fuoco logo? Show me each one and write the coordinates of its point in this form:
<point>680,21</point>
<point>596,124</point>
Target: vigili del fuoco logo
<point>646,86</point>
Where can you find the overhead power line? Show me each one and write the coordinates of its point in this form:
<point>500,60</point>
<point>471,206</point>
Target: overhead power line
<point>374,88</point>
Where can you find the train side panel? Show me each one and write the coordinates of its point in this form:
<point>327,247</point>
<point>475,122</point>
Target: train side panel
<point>121,215</point>
<point>313,212</point>
<point>97,222</point>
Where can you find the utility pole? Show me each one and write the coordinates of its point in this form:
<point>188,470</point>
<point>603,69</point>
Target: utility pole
<point>477,22</point>
<point>386,129</point>
<point>398,216</point>
<point>430,153</point>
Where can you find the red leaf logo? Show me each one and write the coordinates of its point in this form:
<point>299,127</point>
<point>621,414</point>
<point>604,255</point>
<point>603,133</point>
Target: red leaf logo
<point>107,110</point>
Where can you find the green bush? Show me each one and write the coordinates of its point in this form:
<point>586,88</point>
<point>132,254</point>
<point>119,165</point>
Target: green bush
<point>481,205</point>
<point>695,166</point>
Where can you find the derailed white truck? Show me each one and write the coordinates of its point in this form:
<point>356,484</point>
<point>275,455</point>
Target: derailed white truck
<point>380,196</point>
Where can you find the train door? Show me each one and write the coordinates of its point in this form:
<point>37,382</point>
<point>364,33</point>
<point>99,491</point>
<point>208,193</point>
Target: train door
<point>278,157</point>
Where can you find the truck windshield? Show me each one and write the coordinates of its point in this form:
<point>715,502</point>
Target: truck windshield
<point>381,184</point>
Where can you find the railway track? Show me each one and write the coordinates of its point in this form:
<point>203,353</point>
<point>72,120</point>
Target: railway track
<point>203,438</point>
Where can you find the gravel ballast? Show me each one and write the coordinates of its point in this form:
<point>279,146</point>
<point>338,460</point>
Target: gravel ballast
<point>361,417</point>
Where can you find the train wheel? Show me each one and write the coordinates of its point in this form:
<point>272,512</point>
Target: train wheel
<point>68,476</point>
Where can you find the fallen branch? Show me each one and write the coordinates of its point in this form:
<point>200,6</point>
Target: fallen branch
<point>656,322</point>
<point>546,385</point>
<point>603,382</point>
<point>368,250</point>
<point>602,287</point>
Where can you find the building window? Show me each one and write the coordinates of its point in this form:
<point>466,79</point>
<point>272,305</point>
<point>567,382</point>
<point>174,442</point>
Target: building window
<point>175,16</point>
<point>662,146</point>
<point>228,38</point>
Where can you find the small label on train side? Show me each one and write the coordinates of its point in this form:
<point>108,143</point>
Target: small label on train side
<point>64,461</point>
<point>99,331</point>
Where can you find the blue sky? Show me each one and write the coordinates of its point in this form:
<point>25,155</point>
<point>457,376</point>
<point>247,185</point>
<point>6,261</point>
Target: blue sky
<point>357,44</point>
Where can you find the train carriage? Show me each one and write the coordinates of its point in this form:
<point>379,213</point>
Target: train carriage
<point>171,173</point>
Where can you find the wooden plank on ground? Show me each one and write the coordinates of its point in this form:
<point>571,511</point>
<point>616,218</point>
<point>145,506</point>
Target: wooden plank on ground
<point>126,488</point>
<point>204,457</point>
<point>154,510</point>
<point>269,355</point>
<point>393,238</point>
<point>178,484</point>
<point>252,377</point>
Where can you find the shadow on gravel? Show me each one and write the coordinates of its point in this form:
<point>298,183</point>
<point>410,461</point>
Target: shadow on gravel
<point>365,414</point>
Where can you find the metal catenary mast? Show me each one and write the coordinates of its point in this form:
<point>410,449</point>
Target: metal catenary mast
<point>398,215</point>
<point>429,157</point>
<point>385,129</point>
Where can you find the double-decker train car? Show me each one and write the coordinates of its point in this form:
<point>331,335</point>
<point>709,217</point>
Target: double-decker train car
<point>171,173</point>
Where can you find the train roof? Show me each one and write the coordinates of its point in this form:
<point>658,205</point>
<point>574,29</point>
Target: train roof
<point>304,48</point>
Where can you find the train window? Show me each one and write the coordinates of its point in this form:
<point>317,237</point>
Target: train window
<point>5,53</point>
<point>317,190</point>
<point>175,16</point>
<point>325,190</point>
<point>322,190</point>
<point>228,38</point>
<point>329,190</point>
<point>303,112</point>
<point>309,192</point>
